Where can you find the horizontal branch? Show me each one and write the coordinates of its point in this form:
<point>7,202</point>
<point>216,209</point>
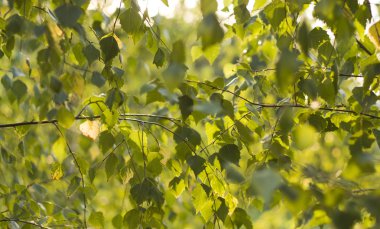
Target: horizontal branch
<point>22,221</point>
<point>264,105</point>
<point>54,121</point>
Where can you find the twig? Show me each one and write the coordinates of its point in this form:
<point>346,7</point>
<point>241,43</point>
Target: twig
<point>117,17</point>
<point>223,132</point>
<point>263,105</point>
<point>27,123</point>
<point>80,172</point>
<point>113,150</point>
<point>361,45</point>
<point>22,221</point>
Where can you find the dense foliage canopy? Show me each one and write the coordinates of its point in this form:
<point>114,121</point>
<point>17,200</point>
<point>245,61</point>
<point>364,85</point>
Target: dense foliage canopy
<point>235,113</point>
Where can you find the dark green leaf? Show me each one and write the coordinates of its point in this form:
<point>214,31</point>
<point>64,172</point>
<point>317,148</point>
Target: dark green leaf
<point>68,14</point>
<point>91,53</point>
<point>196,163</point>
<point>115,98</point>
<point>240,217</point>
<point>96,219</point>
<point>97,79</point>
<point>210,31</point>
<point>186,106</point>
<point>131,21</point>
<point>186,134</point>
<point>117,221</point>
<point>111,164</point>
<point>73,186</point>
<point>132,218</point>
<point>106,141</point>
<point>7,157</point>
<point>147,191</point>
<point>159,58</point>
<point>241,13</point>
<point>303,37</point>
<point>109,47</point>
<point>229,153</point>
<point>19,89</point>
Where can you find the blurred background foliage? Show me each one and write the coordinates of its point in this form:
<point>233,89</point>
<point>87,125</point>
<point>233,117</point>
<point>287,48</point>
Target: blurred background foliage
<point>214,114</point>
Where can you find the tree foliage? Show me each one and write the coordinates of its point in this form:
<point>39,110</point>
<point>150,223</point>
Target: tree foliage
<point>264,118</point>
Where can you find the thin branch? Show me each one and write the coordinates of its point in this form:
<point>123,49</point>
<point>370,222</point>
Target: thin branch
<point>223,132</point>
<point>163,127</point>
<point>22,221</point>
<point>117,17</point>
<point>133,163</point>
<point>28,123</point>
<point>263,105</point>
<point>113,150</point>
<point>142,149</point>
<point>349,75</point>
<point>80,172</point>
<point>361,45</point>
<point>147,19</point>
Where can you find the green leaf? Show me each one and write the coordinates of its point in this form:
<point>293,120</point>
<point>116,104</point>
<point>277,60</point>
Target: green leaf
<point>199,198</point>
<point>196,163</point>
<point>91,53</point>
<point>98,79</point>
<point>327,91</point>
<point>240,217</point>
<point>229,153</point>
<point>178,54</point>
<point>65,118</point>
<point>68,14</point>
<point>241,13</point>
<point>73,186</point>
<point>131,21</point>
<point>208,6</point>
<point>159,58</point>
<point>211,53</point>
<point>117,221</point>
<point>186,134</point>
<point>7,157</point>
<point>96,219</point>
<point>19,89</point>
<point>154,167</point>
<point>109,47</point>
<point>178,186</point>
<point>303,37</point>
<point>186,106</point>
<point>265,183</point>
<point>147,191</point>
<point>377,136</point>
<point>132,219</point>
<point>15,25</point>
<point>275,13</point>
<point>56,171</point>
<point>115,98</point>
<point>78,53</point>
<point>106,141</point>
<point>210,31</point>
<point>174,75</point>
<point>111,164</point>
<point>165,2</point>
<point>318,36</point>
<point>286,67</point>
